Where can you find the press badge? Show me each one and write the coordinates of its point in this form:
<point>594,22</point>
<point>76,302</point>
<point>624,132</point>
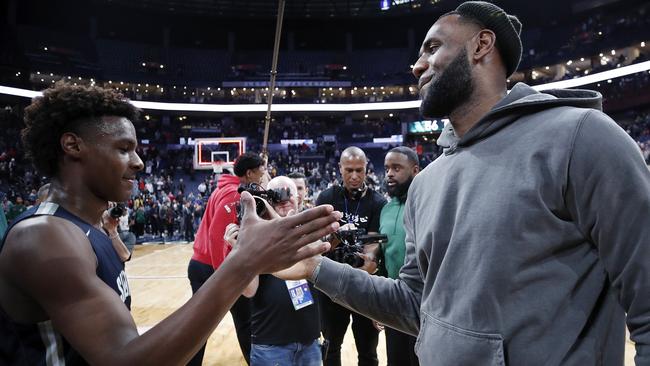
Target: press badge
<point>300,294</point>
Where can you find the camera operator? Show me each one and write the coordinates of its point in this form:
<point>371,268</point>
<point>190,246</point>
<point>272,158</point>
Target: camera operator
<point>284,314</point>
<point>401,165</point>
<point>110,224</point>
<point>361,208</point>
<point>210,249</point>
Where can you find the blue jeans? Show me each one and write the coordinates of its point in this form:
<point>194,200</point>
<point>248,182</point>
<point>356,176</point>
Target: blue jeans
<point>294,354</point>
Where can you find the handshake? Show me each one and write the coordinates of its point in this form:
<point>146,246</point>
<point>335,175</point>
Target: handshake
<point>349,245</point>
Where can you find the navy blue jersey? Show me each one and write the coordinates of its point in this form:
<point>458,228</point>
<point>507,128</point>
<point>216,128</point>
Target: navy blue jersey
<point>41,344</point>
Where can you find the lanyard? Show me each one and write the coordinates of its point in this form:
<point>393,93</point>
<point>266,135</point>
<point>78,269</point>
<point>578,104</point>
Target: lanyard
<point>356,212</point>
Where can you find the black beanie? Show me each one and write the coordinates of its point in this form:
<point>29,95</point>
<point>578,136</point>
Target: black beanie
<point>507,29</point>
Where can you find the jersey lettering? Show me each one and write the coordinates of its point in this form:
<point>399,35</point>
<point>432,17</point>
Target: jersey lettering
<point>123,286</point>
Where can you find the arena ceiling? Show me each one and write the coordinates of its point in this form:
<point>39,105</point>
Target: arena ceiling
<point>536,10</point>
<point>306,8</point>
<point>293,8</point>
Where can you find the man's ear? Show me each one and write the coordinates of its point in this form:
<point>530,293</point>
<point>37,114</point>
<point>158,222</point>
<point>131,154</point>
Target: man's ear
<point>484,44</point>
<point>72,145</point>
<point>249,176</point>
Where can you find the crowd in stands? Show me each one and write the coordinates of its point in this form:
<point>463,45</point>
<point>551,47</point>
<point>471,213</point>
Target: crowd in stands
<point>584,37</point>
<point>168,201</point>
<point>637,125</point>
<point>590,36</point>
<point>402,90</point>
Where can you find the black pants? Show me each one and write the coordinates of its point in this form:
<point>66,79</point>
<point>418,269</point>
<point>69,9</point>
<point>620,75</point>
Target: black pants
<point>189,232</point>
<point>198,273</point>
<point>335,319</point>
<point>400,348</point>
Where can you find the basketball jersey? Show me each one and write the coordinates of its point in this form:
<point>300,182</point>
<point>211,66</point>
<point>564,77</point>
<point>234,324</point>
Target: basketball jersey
<point>41,344</point>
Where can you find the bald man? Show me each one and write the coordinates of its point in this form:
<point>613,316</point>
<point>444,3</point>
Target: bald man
<point>284,314</point>
<point>360,206</point>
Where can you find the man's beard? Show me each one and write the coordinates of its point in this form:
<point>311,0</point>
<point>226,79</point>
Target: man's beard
<point>399,190</point>
<point>450,90</point>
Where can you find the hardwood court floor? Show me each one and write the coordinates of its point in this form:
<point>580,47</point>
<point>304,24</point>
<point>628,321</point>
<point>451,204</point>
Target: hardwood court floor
<point>158,282</point>
<point>159,285</point>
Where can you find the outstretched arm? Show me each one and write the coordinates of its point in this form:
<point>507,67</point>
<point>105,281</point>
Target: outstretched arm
<point>60,277</point>
<point>393,302</point>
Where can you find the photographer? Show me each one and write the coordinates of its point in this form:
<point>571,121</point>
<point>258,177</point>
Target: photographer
<point>210,249</point>
<point>401,166</point>
<point>284,314</point>
<point>361,208</point>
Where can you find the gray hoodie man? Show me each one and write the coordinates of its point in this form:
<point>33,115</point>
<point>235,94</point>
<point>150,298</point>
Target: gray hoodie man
<point>527,242</point>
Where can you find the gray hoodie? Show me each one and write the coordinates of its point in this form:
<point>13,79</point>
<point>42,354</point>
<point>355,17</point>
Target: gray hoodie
<point>527,242</point>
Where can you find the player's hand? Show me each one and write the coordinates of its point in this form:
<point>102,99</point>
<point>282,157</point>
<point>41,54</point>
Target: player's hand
<point>268,246</point>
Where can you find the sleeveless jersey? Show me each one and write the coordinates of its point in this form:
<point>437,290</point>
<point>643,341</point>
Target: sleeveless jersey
<point>39,343</point>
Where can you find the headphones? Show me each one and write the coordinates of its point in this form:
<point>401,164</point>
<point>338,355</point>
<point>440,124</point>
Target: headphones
<point>357,193</point>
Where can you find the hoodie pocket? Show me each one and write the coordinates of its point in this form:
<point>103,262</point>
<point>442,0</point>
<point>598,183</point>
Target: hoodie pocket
<point>443,344</point>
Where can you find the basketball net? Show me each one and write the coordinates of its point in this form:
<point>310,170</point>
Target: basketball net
<point>219,166</point>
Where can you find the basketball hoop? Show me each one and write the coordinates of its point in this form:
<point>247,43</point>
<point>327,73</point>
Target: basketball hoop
<point>218,166</point>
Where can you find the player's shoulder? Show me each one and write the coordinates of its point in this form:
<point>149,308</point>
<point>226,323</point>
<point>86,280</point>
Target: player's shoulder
<point>41,236</point>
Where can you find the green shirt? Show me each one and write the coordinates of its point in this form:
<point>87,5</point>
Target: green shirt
<point>14,212</point>
<point>391,224</point>
<point>3,222</point>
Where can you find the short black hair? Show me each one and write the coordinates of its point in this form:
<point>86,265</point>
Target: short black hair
<point>246,162</point>
<point>297,175</point>
<point>67,108</point>
<point>410,154</point>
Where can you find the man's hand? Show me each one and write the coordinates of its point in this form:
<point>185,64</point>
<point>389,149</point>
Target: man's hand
<point>230,236</point>
<point>334,239</point>
<point>109,223</point>
<point>378,325</point>
<point>369,262</point>
<point>301,270</point>
<point>268,246</point>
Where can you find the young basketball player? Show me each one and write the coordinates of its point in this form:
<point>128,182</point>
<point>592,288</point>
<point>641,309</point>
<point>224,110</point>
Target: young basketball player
<point>64,296</point>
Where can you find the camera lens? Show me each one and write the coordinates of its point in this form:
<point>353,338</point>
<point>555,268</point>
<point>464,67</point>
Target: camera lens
<point>116,211</point>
